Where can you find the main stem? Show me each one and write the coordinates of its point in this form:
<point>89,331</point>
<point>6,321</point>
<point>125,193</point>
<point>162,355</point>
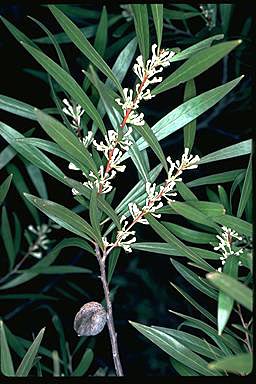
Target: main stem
<point>110,320</point>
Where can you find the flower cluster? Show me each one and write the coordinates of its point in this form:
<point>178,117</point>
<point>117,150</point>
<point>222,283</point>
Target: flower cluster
<point>74,111</point>
<point>146,74</point>
<point>154,194</point>
<point>153,200</point>
<point>226,244</point>
<point>208,12</point>
<point>41,242</point>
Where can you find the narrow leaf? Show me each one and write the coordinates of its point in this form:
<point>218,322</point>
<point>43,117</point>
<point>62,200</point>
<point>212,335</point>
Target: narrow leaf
<point>140,14</point>
<point>189,131</point>
<point>157,12</point>
<point>246,189</point>
<point>28,360</point>
<point>6,358</point>
<point>240,364</point>
<point>235,150</point>
<point>238,291</point>
<point>4,187</point>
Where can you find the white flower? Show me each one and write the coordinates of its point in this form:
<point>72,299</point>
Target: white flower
<point>42,242</point>
<point>122,236</point>
<point>115,159</point>
<point>136,212</point>
<point>101,182</point>
<point>135,118</point>
<point>128,100</point>
<point>188,162</point>
<point>87,139</point>
<point>73,167</point>
<point>74,111</point>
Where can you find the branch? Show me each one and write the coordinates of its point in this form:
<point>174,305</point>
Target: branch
<point>110,320</point>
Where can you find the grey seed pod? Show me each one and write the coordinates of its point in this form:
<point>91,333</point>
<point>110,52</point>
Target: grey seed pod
<point>90,320</point>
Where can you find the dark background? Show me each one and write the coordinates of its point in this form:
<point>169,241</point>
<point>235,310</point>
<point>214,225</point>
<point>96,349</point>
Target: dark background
<point>141,280</point>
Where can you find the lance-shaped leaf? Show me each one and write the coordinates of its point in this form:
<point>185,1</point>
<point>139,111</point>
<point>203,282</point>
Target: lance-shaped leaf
<point>246,189</point>
<point>236,290</point>
<point>171,239</point>
<point>167,249</point>
<point>241,363</point>
<point>188,52</point>
<point>32,154</point>
<point>28,360</point>
<point>101,37</point>
<point>84,364</point>
<point>152,141</point>
<point>55,44</point>
<point>189,130</point>
<point>68,83</point>
<point>79,39</point>
<point>4,187</point>
<point>20,36</point>
<point>6,358</point>
<point>223,177</point>
<point>64,217</point>
<point>235,150</point>
<point>188,234</point>
<point>196,64</point>
<point>157,12</point>
<point>17,107</point>
<point>66,140</point>
<point>37,179</point>
<point>195,280</point>
<point>187,112</point>
<point>225,302</point>
<point>140,13</point>
<point>95,217</point>
<point>7,237</point>
<point>175,349</point>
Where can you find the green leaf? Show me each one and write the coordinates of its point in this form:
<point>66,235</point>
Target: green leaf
<point>84,364</point>
<point>189,131</point>
<point>195,343</point>
<point>225,302</point>
<point>196,64</point>
<point>182,369</point>
<point>235,223</point>
<point>48,260</point>
<point>188,52</point>
<point>223,177</point>
<point>185,192</point>
<point>56,270</point>
<point>38,180</point>
<point>235,150</point>
<point>6,358</point>
<point>22,187</point>
<point>95,218</point>
<point>55,44</point>
<point>225,13</point>
<point>138,160</point>
<point>112,261</point>
<point>193,302</point>
<point>238,179</point>
<point>167,249</point>
<point>4,187</point>
<point>187,112</point>
<point>62,37</point>
<point>28,360</point>
<point>179,15</point>
<point>224,200</point>
<point>7,238</point>
<point>16,33</point>
<point>175,349</point>
<point>66,140</point>
<point>223,341</point>
<point>64,217</point>
<point>17,236</point>
<point>68,83</point>
<point>188,234</point>
<point>17,107</point>
<point>152,141</point>
<point>233,288</point>
<point>140,13</point>
<point>31,153</point>
<point>101,37</point>
<point>246,189</point>
<point>195,280</point>
<point>79,39</point>
<point>240,364</point>
<point>192,213</point>
<point>157,12</point>
<point>171,239</point>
